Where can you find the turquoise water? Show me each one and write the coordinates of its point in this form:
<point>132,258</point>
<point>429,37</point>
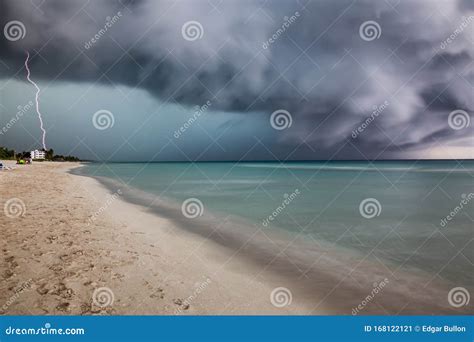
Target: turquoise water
<point>323,202</point>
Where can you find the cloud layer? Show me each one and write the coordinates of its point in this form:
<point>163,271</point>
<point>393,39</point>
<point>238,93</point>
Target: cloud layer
<point>306,57</point>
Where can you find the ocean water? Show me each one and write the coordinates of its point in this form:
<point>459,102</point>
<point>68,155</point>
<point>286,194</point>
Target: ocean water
<point>401,224</point>
<point>323,203</point>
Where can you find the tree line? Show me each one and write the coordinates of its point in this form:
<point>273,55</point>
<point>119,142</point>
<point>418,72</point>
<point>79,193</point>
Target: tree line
<point>5,153</point>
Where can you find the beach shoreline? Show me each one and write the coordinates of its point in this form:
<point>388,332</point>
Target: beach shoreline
<point>75,237</point>
<point>80,242</point>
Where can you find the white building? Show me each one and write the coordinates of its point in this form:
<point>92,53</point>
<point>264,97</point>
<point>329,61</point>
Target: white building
<point>37,154</point>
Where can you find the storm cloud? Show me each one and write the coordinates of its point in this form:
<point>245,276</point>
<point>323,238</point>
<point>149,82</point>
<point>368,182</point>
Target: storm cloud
<point>349,95</point>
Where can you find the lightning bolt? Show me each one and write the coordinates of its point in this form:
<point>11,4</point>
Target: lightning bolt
<point>38,90</point>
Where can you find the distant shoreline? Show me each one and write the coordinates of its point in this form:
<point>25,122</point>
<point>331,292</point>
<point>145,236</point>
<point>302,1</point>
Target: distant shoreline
<point>284,161</point>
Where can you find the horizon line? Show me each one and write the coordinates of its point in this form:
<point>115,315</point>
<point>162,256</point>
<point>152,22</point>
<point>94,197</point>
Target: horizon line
<point>273,161</point>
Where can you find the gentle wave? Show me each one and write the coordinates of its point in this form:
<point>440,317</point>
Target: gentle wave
<point>227,182</point>
<point>353,168</point>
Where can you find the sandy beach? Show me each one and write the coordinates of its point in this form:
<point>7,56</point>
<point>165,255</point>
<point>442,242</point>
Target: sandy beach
<point>73,248</point>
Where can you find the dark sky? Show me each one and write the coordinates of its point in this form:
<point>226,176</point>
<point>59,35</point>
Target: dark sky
<point>344,79</point>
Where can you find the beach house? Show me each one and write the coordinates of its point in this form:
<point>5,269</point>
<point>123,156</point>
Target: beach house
<point>37,154</point>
